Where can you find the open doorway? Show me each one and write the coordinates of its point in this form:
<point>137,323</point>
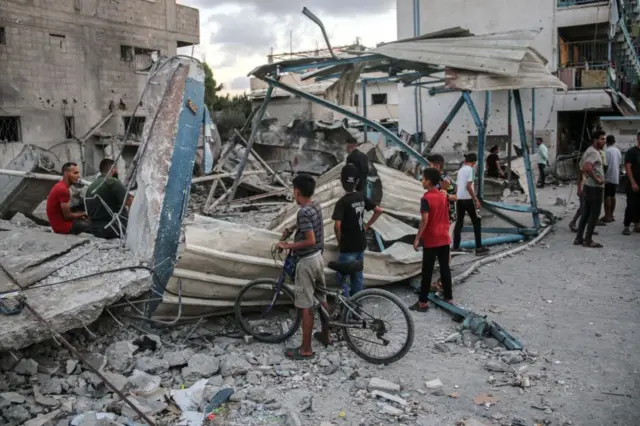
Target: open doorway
<point>575,129</point>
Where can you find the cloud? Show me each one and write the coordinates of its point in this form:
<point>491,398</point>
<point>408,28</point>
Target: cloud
<point>239,83</point>
<point>289,7</point>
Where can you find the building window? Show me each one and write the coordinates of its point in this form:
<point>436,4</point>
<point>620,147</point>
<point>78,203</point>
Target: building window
<point>126,53</point>
<point>137,125</point>
<point>10,129</point>
<point>144,58</point>
<point>379,99</point>
<point>3,36</point>
<point>69,127</point>
<point>355,100</point>
<point>58,41</point>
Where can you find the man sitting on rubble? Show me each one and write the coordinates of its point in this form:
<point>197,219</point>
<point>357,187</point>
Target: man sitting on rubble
<point>104,199</point>
<point>361,161</point>
<point>61,218</point>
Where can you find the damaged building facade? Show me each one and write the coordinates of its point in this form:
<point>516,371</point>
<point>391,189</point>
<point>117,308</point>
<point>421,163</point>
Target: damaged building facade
<point>589,45</point>
<point>68,65</point>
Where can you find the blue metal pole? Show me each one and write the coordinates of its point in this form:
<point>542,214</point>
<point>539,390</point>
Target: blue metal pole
<point>533,121</point>
<point>527,159</point>
<point>493,241</point>
<point>510,133</point>
<point>445,124</point>
<point>350,114</point>
<point>481,135</point>
<point>487,109</point>
<point>364,106</point>
<point>416,33</point>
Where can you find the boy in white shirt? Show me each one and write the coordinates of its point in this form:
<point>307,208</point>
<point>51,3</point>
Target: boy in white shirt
<point>468,203</point>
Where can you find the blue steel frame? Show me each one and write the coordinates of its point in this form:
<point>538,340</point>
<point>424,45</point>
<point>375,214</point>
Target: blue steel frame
<point>518,230</point>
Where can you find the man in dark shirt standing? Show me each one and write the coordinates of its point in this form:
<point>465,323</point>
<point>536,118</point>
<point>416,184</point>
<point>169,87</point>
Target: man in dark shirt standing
<point>360,160</point>
<point>104,198</point>
<point>350,227</point>
<point>632,167</point>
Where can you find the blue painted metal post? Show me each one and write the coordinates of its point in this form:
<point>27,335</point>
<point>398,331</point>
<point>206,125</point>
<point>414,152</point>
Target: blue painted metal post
<point>392,137</point>
<point>416,33</point>
<point>487,109</point>
<point>445,124</point>
<point>531,186</point>
<point>364,106</point>
<point>177,189</point>
<point>481,136</point>
<point>533,121</point>
<point>254,130</point>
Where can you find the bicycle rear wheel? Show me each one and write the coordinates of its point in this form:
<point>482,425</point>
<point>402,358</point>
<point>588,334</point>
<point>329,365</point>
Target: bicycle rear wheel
<point>265,314</point>
<point>385,326</point>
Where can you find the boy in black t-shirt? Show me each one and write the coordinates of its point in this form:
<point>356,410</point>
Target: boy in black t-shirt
<point>350,227</point>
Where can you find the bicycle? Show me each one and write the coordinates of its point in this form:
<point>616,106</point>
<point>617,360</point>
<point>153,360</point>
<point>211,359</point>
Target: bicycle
<point>353,315</point>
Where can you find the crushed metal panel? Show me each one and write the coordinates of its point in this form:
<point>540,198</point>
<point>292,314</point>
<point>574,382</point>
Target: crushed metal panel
<point>391,229</point>
<point>498,53</point>
<point>531,74</point>
<point>24,195</point>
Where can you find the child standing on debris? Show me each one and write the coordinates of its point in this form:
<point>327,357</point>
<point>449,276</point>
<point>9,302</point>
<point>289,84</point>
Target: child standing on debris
<point>307,247</point>
<point>433,234</point>
<point>349,226</point>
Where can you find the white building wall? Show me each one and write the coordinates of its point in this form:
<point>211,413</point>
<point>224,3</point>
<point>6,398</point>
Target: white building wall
<point>489,16</point>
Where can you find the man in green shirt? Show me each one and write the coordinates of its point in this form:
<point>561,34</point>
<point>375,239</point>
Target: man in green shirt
<point>543,160</point>
<point>104,199</point>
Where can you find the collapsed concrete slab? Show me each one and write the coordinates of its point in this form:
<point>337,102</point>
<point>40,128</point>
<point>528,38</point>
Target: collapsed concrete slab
<point>23,195</point>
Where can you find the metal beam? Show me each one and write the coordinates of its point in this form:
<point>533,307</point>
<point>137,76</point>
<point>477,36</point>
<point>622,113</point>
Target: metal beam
<point>494,230</point>
<point>481,134</point>
<point>510,135</point>
<point>350,114</point>
<point>329,63</point>
<point>527,158</point>
<point>364,107</point>
<point>254,130</point>
<point>496,211</point>
<point>533,120</point>
<point>445,124</point>
<point>439,90</point>
<point>487,109</point>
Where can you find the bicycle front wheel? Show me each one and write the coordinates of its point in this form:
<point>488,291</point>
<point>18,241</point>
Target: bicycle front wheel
<point>266,313</point>
<point>381,327</point>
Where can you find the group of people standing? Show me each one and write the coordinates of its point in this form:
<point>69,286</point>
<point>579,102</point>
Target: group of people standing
<point>598,180</point>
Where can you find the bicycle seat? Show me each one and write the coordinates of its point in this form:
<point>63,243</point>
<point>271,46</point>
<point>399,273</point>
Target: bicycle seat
<point>346,268</point>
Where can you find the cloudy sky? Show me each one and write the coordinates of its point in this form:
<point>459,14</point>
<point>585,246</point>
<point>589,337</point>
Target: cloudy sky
<point>236,36</point>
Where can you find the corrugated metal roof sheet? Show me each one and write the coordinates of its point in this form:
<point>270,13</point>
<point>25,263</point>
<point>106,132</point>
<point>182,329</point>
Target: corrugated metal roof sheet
<point>499,53</point>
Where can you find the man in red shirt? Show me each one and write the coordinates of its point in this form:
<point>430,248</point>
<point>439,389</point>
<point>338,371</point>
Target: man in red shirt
<point>433,233</point>
<point>62,220</point>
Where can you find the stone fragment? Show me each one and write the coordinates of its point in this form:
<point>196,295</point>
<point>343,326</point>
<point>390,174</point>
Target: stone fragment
<point>152,365</point>
<point>434,384</point>
<point>43,420</point>
<point>233,365</point>
<point>491,343</point>
<point>442,347</point>
<point>496,366</point>
<point>331,369</point>
<point>97,361</point>
<point>51,386</point>
<point>383,385</point>
<point>389,397</point>
<point>17,414</point>
<point>144,382</point>
<point>178,358</point>
<point>199,366</point>
<point>71,366</point>
<point>47,366</point>
<point>254,377</point>
<point>512,357</point>
<point>13,397</point>
<point>120,356</point>
<point>452,338</point>
<point>117,380</point>
<point>47,401</point>
<point>388,409</point>
<point>26,367</point>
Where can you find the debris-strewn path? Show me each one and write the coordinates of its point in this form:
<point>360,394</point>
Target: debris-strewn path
<point>574,309</point>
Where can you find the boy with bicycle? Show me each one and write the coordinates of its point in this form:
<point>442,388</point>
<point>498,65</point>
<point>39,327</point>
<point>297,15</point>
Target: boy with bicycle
<point>307,247</point>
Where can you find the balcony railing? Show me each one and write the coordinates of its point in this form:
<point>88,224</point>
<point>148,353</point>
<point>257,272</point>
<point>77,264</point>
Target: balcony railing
<point>584,64</point>
<point>569,3</point>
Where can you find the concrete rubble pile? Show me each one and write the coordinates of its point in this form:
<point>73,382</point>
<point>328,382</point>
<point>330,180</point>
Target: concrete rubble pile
<point>179,376</point>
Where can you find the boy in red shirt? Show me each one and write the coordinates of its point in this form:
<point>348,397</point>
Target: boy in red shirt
<point>433,233</point>
<point>62,220</point>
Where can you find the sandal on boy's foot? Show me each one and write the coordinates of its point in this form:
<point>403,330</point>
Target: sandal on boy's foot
<point>418,308</point>
<point>592,244</point>
<point>626,231</point>
<point>296,355</point>
<point>320,338</point>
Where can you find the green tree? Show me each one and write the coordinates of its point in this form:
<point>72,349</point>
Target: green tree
<point>211,87</point>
